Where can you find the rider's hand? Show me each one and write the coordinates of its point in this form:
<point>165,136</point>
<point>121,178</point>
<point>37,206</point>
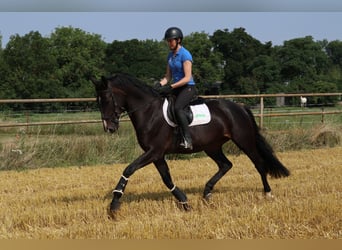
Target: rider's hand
<point>165,89</point>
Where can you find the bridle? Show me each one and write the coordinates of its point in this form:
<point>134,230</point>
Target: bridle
<point>118,110</point>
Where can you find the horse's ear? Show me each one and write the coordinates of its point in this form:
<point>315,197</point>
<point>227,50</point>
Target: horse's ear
<point>99,84</point>
<point>104,79</point>
<point>93,80</point>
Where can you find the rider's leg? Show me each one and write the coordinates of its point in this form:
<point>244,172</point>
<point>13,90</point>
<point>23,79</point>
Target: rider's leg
<point>183,98</point>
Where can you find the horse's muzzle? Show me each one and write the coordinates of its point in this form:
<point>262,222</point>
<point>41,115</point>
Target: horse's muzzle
<point>110,127</point>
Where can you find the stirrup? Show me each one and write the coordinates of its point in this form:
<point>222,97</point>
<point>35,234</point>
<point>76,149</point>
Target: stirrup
<point>185,144</point>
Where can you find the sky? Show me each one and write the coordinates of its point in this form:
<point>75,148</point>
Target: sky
<point>276,27</point>
<point>265,20</point>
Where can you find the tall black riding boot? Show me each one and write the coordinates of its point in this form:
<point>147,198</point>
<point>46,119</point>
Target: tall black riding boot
<point>184,128</point>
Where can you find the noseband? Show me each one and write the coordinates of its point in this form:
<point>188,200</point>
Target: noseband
<point>114,118</point>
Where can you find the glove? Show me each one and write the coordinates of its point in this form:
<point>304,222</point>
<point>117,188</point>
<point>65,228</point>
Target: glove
<point>157,85</point>
<point>165,89</point>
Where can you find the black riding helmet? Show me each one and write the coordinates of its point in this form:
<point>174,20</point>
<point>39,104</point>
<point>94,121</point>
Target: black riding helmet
<point>173,33</point>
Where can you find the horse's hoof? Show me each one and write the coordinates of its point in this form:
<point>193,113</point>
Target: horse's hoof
<point>184,205</point>
<point>111,214</point>
<point>113,208</point>
<point>207,197</point>
<point>269,196</point>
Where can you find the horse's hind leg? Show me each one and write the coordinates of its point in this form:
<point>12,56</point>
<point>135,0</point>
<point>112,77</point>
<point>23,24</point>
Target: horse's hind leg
<point>251,151</point>
<point>224,165</point>
<point>260,168</point>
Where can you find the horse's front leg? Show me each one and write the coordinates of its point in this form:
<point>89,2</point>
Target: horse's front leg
<point>164,172</point>
<point>119,190</point>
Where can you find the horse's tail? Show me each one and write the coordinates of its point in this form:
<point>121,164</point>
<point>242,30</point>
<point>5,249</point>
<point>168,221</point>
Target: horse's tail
<point>272,164</point>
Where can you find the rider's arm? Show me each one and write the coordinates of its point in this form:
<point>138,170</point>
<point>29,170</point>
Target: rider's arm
<point>167,76</point>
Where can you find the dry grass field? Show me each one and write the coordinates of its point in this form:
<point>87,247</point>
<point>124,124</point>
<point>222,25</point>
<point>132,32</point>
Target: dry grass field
<point>71,203</point>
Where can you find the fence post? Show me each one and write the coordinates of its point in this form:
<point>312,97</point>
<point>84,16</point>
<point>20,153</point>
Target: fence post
<point>322,119</point>
<point>261,121</point>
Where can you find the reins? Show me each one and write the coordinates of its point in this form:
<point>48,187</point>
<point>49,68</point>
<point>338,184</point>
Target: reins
<point>124,112</point>
<point>140,107</point>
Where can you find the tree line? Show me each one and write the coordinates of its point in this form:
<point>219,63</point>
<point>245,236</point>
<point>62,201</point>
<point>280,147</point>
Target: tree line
<point>225,62</point>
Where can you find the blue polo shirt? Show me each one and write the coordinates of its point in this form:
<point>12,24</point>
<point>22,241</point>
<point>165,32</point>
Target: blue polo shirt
<point>176,64</point>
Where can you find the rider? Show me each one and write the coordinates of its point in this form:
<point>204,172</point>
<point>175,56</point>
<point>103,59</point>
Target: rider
<point>179,69</point>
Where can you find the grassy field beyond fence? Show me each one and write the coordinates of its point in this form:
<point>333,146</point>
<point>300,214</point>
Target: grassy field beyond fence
<point>28,147</point>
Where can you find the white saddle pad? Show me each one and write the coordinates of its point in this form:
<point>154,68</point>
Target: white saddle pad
<point>201,114</point>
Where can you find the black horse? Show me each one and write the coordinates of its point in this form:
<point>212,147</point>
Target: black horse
<point>229,121</point>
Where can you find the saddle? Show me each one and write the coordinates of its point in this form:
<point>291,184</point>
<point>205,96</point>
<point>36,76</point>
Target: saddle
<point>197,113</point>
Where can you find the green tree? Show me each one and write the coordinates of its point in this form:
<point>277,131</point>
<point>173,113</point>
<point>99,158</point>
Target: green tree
<point>79,55</point>
<point>324,87</point>
<point>29,64</point>
<point>143,59</point>
<point>266,71</point>
<point>207,64</point>
<point>5,90</point>
<point>334,51</point>
<point>302,61</point>
<point>239,51</point>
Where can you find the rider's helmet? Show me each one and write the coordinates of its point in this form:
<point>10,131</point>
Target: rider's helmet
<point>173,33</point>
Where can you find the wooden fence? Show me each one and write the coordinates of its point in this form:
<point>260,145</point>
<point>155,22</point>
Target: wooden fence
<point>261,113</point>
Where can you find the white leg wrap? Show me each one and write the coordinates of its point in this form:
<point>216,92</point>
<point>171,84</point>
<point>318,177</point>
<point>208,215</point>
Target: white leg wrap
<point>125,178</point>
<point>117,191</point>
<point>172,189</point>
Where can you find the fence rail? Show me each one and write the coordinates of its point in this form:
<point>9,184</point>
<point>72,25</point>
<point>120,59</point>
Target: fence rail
<point>261,113</point>
<point>4,101</point>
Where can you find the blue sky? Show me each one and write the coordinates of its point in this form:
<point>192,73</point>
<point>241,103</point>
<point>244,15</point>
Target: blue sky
<point>265,20</point>
<point>115,25</point>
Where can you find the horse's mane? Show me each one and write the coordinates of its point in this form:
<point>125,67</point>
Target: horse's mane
<point>122,79</point>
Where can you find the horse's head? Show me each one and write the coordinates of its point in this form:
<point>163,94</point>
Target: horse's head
<point>108,103</point>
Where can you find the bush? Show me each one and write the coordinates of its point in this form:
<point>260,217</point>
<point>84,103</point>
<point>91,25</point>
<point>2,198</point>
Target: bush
<point>326,135</point>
